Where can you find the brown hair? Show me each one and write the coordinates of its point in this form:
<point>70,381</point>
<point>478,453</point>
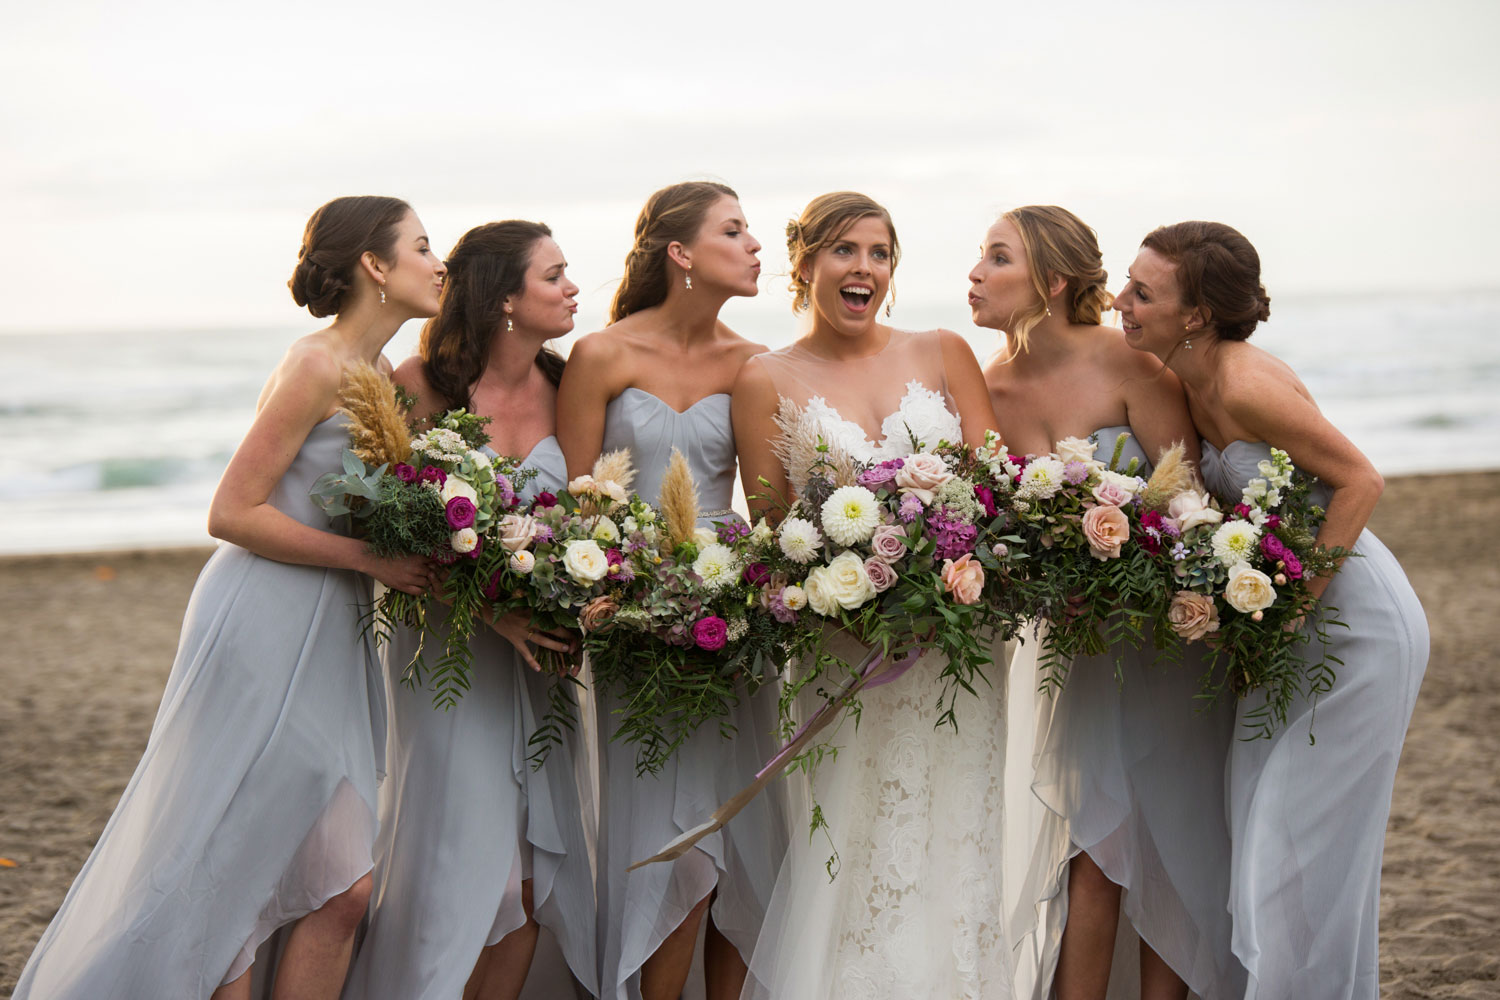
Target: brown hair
<point>1057,242</point>
<point>487,264</point>
<point>334,239</point>
<point>822,223</point>
<point>1218,271</point>
<point>672,215</point>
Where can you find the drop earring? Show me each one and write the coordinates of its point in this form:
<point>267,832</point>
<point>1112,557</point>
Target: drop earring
<point>510,326</point>
<point>687,280</point>
<point>382,295</point>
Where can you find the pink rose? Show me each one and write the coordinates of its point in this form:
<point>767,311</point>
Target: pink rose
<point>888,542</point>
<point>1112,494</point>
<point>1192,616</point>
<point>882,577</point>
<point>516,531</point>
<point>1106,528</point>
<point>920,476</point>
<point>963,578</point>
<point>1190,509</point>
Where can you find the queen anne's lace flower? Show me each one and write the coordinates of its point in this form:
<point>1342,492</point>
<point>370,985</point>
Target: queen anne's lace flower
<point>850,515</point>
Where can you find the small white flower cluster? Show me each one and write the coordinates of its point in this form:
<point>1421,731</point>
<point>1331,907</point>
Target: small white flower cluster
<point>443,444</point>
<point>1265,491</point>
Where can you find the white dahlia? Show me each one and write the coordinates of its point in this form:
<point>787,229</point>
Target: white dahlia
<point>1235,542</point>
<point>851,515</point>
<point>800,540</point>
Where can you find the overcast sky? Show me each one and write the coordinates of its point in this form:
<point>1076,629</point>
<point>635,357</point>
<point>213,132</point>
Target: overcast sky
<point>157,160</point>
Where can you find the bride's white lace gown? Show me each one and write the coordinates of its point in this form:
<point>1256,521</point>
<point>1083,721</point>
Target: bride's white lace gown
<point>914,811</point>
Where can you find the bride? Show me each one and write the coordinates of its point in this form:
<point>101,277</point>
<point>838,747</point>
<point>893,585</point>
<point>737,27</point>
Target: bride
<point>914,812</point>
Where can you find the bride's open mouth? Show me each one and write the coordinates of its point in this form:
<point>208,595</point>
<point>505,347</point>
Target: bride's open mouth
<point>857,296</point>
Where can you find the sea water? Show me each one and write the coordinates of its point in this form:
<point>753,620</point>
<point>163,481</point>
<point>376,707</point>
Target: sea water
<point>116,439</point>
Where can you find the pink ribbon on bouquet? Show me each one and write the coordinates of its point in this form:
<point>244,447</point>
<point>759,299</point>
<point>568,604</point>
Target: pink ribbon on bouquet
<point>872,671</point>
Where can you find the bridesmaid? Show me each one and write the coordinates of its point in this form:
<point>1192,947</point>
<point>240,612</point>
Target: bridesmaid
<point>657,378</point>
<point>1130,775</point>
<point>253,807</point>
<point>475,846</point>
<point>1307,821</point>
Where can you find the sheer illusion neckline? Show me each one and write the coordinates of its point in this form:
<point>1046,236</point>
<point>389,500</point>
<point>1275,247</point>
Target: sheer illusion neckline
<point>683,412</point>
<point>802,350</point>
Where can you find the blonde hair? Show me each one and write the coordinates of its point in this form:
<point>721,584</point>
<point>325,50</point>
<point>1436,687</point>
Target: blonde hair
<point>1057,242</point>
<point>822,223</point>
<point>672,215</point>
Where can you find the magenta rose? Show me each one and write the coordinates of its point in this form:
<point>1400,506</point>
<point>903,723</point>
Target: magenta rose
<point>986,498</point>
<point>545,499</point>
<point>1273,521</point>
<point>404,472</point>
<point>1272,549</point>
<point>432,474</point>
<point>710,633</point>
<point>460,513</point>
<point>1242,510</point>
<point>756,574</point>
<point>1293,565</point>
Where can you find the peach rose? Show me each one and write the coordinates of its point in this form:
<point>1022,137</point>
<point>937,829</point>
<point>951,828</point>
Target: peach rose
<point>920,475</point>
<point>598,613</point>
<point>1106,528</point>
<point>963,578</point>
<point>1192,616</point>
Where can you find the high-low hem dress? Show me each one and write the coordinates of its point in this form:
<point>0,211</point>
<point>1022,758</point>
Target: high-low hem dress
<point>255,800</point>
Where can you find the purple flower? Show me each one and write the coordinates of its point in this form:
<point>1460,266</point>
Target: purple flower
<point>432,474</point>
<point>405,473</point>
<point>1242,510</point>
<point>1179,552</point>
<point>504,490</point>
<point>710,633</point>
<point>1272,548</point>
<point>1075,472</point>
<point>492,589</point>
<point>756,574</point>
<point>620,571</point>
<point>477,549</point>
<point>779,610</point>
<point>541,534</point>
<point>729,532</point>
<point>1273,522</point>
<point>1293,565</point>
<point>950,539</point>
<point>544,499</point>
<point>460,513</point>
<point>986,498</point>
<point>911,509</point>
<point>1153,525</point>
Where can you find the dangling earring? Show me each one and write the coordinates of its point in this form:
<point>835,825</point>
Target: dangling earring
<point>382,295</point>
<point>1187,342</point>
<point>510,326</point>
<point>1049,310</point>
<point>687,280</point>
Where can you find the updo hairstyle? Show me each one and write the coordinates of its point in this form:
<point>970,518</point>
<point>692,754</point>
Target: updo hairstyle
<point>672,215</point>
<point>1058,243</point>
<point>336,236</point>
<point>1218,272</point>
<point>823,223</point>
<point>486,265</point>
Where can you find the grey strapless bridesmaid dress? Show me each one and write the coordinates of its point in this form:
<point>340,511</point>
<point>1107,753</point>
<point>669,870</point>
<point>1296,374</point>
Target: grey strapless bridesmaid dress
<point>1133,774</point>
<point>1308,821</point>
<point>638,816</point>
<point>255,800</point>
<point>464,819</point>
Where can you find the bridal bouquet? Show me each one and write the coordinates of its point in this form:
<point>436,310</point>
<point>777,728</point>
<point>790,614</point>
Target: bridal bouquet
<point>433,494</point>
<point>908,554</point>
<point>688,633</point>
<point>1238,578</point>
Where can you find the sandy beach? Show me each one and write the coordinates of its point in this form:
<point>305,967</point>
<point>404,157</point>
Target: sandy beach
<point>90,639</point>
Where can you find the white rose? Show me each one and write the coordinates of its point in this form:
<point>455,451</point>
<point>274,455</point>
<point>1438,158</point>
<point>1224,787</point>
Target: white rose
<point>522,562</point>
<point>819,593</point>
<point>479,459</point>
<point>455,487</point>
<point>1190,509</point>
<point>1075,449</point>
<point>1130,484</point>
<point>704,536</point>
<point>582,485</point>
<point>849,582</point>
<point>1248,590</point>
<point>585,561</point>
<point>464,540</point>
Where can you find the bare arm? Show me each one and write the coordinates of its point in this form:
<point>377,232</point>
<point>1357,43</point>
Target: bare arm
<point>303,391</point>
<point>967,387</point>
<point>753,411</point>
<point>1155,407</point>
<point>1258,396</point>
<point>586,390</point>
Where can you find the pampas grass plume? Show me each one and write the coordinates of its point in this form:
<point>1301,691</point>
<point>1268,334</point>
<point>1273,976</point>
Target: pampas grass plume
<point>377,423</point>
<point>679,500</point>
<point>1172,475</point>
<point>617,466</point>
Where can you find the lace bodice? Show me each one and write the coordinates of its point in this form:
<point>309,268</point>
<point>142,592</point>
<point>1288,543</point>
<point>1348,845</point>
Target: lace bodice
<point>920,421</point>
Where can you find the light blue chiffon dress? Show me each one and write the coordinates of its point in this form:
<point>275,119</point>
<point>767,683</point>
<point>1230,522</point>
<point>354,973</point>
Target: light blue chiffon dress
<point>1308,820</point>
<point>1131,772</point>
<point>255,801</point>
<point>464,818</point>
<point>639,816</point>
